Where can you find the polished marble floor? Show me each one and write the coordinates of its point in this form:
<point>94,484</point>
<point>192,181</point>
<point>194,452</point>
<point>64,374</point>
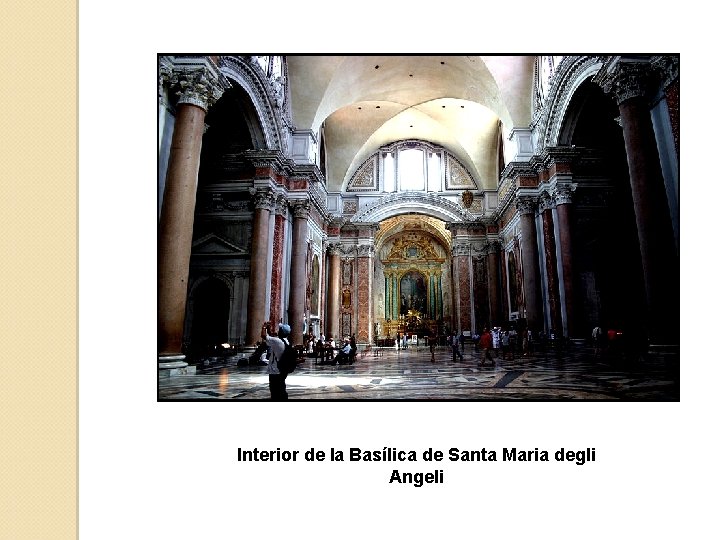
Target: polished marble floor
<point>390,375</point>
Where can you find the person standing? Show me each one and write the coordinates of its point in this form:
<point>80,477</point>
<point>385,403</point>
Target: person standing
<point>486,343</point>
<point>596,338</point>
<point>432,343</point>
<point>456,346</point>
<point>276,345</point>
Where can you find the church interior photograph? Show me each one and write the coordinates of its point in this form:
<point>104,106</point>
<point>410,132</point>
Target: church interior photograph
<point>442,227</point>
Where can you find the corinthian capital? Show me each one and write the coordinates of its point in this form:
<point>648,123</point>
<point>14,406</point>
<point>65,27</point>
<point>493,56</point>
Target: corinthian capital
<point>334,249</point>
<point>624,80</point>
<point>461,249</point>
<point>365,250</point>
<point>264,200</point>
<point>196,81</point>
<point>301,209</point>
<point>563,193</point>
<point>525,205</point>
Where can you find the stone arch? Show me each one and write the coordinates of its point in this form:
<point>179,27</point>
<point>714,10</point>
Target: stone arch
<point>256,88</point>
<point>571,73</point>
<point>412,202</point>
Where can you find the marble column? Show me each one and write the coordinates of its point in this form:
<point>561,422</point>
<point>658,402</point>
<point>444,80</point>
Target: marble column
<point>277,223</point>
<point>492,280</point>
<point>530,262</point>
<point>298,270</point>
<point>563,208</point>
<point>364,293</point>
<point>332,323</point>
<point>198,91</point>
<point>463,295</point>
<point>264,202</point>
<point>628,83</point>
<point>553,286</point>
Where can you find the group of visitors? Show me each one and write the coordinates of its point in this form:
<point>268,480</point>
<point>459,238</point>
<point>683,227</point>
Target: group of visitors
<point>328,351</point>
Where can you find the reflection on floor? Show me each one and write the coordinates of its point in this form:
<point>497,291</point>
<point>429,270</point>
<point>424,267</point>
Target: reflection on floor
<point>390,375</point>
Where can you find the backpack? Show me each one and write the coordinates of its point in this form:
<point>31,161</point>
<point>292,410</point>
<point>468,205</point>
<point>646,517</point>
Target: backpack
<point>288,359</point>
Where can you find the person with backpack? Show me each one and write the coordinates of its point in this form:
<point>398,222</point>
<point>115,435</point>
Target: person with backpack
<point>282,358</point>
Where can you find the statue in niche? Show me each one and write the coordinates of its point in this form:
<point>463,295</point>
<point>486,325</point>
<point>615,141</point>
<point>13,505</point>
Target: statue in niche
<point>346,298</point>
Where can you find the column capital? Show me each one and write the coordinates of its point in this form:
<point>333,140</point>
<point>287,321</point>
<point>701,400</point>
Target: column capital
<point>546,202</point>
<point>264,200</point>
<point>525,205</point>
<point>563,193</point>
<point>492,247</point>
<point>667,68</point>
<point>300,208</point>
<point>461,249</point>
<point>624,79</point>
<point>365,250</point>
<point>334,249</point>
<point>281,205</point>
<point>195,80</point>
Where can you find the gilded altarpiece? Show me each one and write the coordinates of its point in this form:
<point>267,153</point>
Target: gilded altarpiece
<point>412,270</point>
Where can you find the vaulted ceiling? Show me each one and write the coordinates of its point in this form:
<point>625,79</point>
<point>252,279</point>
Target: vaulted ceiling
<point>364,102</point>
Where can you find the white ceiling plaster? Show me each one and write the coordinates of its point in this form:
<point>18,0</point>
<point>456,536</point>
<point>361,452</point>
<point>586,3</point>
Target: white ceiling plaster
<point>364,107</point>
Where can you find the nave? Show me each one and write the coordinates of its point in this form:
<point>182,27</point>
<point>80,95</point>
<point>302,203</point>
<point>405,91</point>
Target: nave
<point>409,375</point>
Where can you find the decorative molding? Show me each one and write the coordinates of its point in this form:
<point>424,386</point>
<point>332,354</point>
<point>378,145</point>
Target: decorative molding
<point>366,176</point>
<point>569,74</point>
<point>399,203</point>
<point>456,175</point>
<point>273,119</point>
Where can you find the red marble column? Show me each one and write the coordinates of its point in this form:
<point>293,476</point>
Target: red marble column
<point>257,293</point>
<point>530,263</point>
<point>298,271</point>
<point>278,263</point>
<point>563,209</point>
<point>493,285</point>
<point>551,268</point>
<point>463,295</point>
<point>629,82</point>
<point>364,281</point>
<point>332,323</point>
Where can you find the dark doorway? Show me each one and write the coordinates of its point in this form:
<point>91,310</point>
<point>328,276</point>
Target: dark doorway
<point>211,309</point>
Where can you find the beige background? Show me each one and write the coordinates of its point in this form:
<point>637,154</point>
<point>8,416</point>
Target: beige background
<point>38,267</point>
